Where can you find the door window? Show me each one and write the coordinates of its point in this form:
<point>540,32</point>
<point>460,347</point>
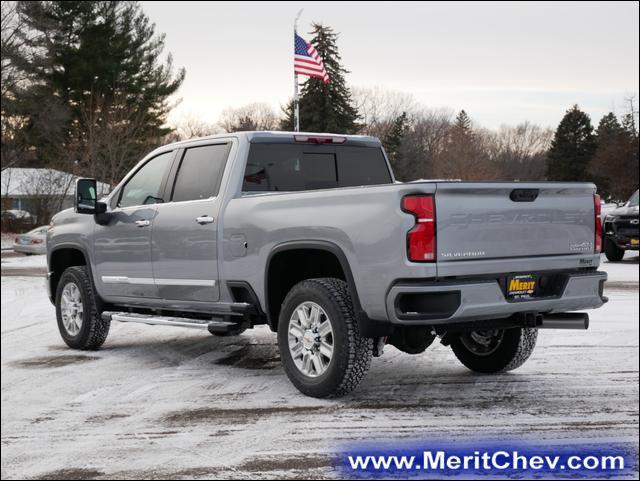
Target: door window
<point>145,187</point>
<point>200,172</point>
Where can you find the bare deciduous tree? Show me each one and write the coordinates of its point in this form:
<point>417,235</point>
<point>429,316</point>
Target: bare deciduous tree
<point>47,190</point>
<point>254,116</point>
<point>191,127</point>
<point>379,107</point>
<point>105,141</point>
<point>518,153</point>
<point>424,142</point>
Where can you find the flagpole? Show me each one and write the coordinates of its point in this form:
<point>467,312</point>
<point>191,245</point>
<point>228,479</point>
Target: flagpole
<point>296,100</point>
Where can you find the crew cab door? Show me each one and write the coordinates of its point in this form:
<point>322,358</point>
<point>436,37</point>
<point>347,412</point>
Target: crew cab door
<point>122,245</point>
<point>184,235</point>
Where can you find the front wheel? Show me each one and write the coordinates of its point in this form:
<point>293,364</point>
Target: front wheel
<point>321,348</point>
<point>79,320</point>
<point>498,350</point>
<point>612,251</point>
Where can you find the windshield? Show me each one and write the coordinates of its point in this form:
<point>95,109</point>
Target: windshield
<point>633,201</point>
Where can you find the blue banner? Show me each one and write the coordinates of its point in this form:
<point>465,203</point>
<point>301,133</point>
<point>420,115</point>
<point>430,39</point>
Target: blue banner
<point>496,459</point>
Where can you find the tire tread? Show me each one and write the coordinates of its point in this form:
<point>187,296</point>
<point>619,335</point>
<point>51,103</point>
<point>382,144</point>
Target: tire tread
<point>98,327</point>
<point>528,339</point>
<point>360,349</point>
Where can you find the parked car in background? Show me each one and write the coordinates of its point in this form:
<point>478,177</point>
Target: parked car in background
<point>606,208</point>
<point>33,242</point>
<point>621,230</point>
<point>16,220</point>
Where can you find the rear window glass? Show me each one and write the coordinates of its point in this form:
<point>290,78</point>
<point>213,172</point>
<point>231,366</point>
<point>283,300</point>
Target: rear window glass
<point>292,167</point>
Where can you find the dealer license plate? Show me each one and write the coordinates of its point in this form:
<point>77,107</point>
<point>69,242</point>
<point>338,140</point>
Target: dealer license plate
<point>522,286</point>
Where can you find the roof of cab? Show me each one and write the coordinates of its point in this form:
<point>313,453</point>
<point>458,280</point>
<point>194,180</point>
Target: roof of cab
<point>284,137</point>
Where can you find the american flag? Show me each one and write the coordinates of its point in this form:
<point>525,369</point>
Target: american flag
<point>306,60</point>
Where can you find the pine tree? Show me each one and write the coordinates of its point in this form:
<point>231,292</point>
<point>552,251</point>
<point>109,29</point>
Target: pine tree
<point>614,166</point>
<point>325,107</point>
<point>392,140</point>
<point>100,63</point>
<point>572,148</point>
<point>633,158</point>
<point>463,125</point>
<point>609,139</point>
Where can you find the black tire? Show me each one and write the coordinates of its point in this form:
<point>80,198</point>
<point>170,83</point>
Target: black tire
<point>510,352</point>
<point>612,251</point>
<point>94,330</point>
<point>352,353</point>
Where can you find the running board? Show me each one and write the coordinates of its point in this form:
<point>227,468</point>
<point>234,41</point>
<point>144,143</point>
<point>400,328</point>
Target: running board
<point>213,326</point>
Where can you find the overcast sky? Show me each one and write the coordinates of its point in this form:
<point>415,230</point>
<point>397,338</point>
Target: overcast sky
<point>502,62</point>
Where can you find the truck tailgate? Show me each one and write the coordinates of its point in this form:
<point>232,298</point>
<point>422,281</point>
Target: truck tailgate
<point>500,221</point>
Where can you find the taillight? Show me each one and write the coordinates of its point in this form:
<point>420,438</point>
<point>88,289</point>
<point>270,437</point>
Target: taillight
<point>36,241</point>
<point>421,239</point>
<point>597,209</point>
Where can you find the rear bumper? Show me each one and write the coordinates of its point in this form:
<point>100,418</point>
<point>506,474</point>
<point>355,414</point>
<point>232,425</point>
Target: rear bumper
<point>625,242</point>
<point>438,303</point>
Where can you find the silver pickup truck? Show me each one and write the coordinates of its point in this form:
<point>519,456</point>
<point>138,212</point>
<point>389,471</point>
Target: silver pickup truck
<point>311,235</point>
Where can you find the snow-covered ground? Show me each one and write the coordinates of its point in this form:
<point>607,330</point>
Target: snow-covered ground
<point>625,271</point>
<point>21,261</point>
<point>6,240</point>
<point>160,402</point>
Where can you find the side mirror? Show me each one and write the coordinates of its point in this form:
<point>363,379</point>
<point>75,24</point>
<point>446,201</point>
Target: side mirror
<point>86,198</point>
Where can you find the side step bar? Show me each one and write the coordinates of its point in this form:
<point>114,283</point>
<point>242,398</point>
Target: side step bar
<point>213,326</point>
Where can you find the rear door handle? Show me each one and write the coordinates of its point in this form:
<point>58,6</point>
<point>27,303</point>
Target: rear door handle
<point>204,219</point>
<point>143,223</point>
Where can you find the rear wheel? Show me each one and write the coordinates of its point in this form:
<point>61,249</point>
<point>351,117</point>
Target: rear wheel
<point>79,322</point>
<point>321,348</point>
<point>612,251</point>
<point>497,350</point>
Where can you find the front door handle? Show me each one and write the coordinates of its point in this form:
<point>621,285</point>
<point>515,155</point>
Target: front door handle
<point>143,223</point>
<point>204,219</point>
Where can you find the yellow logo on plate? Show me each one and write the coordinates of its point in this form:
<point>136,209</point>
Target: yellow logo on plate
<point>517,285</point>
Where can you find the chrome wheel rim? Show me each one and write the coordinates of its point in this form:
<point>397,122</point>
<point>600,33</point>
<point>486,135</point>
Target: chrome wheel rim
<point>311,339</point>
<point>482,343</point>
<point>71,309</point>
